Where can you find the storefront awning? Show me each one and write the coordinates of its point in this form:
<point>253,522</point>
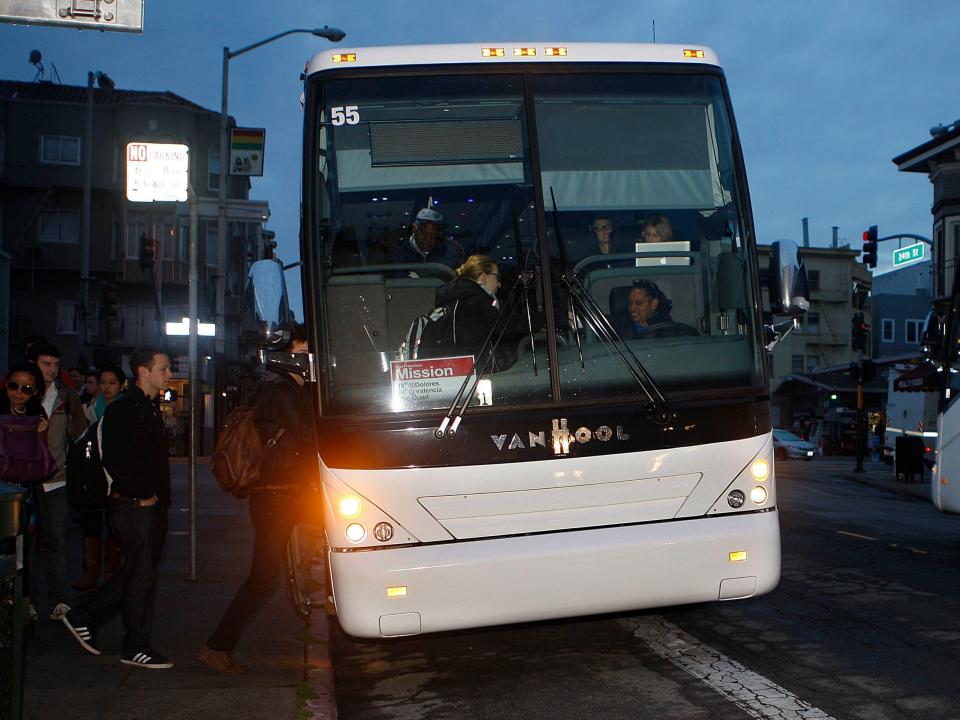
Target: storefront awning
<point>923,378</point>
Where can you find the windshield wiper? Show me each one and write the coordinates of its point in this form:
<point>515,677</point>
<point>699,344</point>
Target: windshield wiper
<point>661,410</point>
<point>485,355</point>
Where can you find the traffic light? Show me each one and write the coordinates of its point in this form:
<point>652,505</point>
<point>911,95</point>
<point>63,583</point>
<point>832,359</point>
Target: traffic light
<point>147,246</point>
<point>870,246</point>
<point>858,333</point>
<point>855,372</point>
<point>108,300</point>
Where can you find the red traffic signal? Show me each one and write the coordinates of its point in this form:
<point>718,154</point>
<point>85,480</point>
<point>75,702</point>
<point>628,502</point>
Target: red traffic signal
<point>870,246</point>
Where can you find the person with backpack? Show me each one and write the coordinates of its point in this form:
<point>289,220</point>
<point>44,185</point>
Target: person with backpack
<point>110,382</point>
<point>135,455</point>
<point>472,309</point>
<point>287,486</point>
<point>66,423</point>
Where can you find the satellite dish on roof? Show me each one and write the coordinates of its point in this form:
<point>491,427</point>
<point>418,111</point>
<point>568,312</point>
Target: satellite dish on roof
<point>35,57</point>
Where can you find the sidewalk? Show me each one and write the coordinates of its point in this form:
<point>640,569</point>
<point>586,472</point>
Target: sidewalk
<point>881,475</point>
<point>289,663</point>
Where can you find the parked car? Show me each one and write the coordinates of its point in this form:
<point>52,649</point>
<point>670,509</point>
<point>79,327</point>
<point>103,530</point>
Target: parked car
<point>787,445</point>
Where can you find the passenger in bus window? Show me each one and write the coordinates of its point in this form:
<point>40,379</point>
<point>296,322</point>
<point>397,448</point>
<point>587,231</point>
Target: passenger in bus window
<point>426,242</point>
<point>657,228</point>
<point>646,306</point>
<point>474,293</point>
<point>647,314</point>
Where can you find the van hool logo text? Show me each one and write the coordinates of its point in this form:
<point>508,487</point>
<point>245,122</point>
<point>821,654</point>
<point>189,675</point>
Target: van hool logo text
<point>560,437</point>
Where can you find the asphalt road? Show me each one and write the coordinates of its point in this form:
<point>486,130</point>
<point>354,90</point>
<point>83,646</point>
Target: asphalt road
<point>865,624</point>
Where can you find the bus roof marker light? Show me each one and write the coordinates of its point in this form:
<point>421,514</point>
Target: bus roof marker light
<point>344,57</point>
<point>491,52</point>
<point>693,53</point>
<point>738,556</point>
<point>524,52</point>
<point>555,51</point>
<point>398,591</point>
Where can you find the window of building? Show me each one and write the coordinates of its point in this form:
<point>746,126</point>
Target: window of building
<point>210,247</point>
<point>796,363</point>
<point>136,228</point>
<point>166,237</point>
<point>813,323</point>
<point>887,330</point>
<point>213,168</point>
<point>811,363</point>
<point>66,317</point>
<point>914,331</point>
<point>59,226</point>
<point>813,279</point>
<point>59,150</point>
<point>183,242</point>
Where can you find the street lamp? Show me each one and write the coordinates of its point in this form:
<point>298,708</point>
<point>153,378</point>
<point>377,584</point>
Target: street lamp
<point>332,34</point>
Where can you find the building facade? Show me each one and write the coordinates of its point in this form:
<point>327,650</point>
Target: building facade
<point>939,159</point>
<point>823,339</point>
<point>47,131</point>
<point>900,303</point>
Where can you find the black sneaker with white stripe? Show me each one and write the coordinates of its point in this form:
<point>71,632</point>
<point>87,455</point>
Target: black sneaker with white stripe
<point>150,659</point>
<point>84,633</point>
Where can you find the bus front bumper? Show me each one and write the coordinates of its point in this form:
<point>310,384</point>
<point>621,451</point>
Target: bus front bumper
<point>432,588</point>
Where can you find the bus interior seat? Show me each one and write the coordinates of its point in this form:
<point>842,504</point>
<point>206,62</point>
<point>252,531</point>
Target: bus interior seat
<point>406,299</point>
<point>357,313</point>
<point>370,315</point>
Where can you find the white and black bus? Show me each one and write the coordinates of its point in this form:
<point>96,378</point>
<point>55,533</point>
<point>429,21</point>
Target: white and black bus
<point>571,468</point>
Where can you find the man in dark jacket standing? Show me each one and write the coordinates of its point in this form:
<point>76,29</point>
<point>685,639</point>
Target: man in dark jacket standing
<point>289,477</point>
<point>136,458</point>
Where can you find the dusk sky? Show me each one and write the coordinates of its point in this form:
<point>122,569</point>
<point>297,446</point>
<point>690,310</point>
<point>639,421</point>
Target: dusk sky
<point>825,93</point>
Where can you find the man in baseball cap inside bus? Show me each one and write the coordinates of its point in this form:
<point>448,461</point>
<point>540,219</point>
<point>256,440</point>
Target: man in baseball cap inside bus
<point>427,243</point>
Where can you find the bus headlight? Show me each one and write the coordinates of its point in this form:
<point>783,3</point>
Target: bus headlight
<point>350,506</point>
<point>355,532</point>
<point>736,498</point>
<point>760,470</point>
<point>758,495</point>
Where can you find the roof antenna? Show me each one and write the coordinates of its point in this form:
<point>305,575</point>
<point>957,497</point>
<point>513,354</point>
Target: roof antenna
<point>654,23</point>
<point>36,59</point>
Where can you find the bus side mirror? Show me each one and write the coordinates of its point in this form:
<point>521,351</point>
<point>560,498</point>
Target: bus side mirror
<point>266,317</point>
<point>789,293</point>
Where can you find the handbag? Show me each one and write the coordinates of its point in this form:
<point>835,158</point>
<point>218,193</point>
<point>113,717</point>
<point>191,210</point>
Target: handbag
<point>24,456</point>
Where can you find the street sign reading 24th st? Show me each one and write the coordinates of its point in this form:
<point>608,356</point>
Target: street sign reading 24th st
<point>908,255</point>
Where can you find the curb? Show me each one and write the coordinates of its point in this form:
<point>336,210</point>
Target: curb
<point>919,490</point>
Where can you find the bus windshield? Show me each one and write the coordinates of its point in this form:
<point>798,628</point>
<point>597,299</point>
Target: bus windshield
<point>619,193</point>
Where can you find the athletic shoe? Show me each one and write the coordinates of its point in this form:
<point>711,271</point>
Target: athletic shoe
<point>59,610</point>
<point>85,634</point>
<point>220,661</point>
<point>150,659</point>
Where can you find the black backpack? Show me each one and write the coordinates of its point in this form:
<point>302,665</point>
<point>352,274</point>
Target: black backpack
<point>431,333</point>
<point>88,482</point>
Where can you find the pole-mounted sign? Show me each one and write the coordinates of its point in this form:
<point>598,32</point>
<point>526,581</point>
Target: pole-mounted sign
<point>246,151</point>
<point>157,172</point>
<point>908,255</point>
